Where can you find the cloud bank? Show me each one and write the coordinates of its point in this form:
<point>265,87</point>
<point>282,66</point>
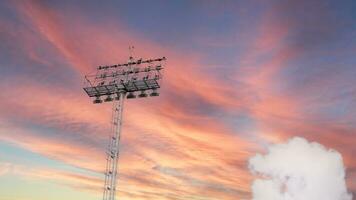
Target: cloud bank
<point>299,170</point>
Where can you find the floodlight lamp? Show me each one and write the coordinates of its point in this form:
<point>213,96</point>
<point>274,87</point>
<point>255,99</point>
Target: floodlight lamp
<point>108,98</point>
<point>131,95</point>
<point>142,95</point>
<point>154,93</point>
<point>97,100</point>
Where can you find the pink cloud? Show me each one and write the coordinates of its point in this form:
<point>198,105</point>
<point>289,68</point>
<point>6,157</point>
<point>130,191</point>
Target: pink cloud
<point>195,151</point>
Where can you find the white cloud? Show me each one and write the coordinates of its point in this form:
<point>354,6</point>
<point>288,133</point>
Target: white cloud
<point>299,170</point>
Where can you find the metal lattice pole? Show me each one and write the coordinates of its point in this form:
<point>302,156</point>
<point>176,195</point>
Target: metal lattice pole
<point>113,150</point>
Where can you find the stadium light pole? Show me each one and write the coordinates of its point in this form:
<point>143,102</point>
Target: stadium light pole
<point>115,83</point>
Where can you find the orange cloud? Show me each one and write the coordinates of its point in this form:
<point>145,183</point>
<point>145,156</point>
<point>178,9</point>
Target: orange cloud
<point>167,150</point>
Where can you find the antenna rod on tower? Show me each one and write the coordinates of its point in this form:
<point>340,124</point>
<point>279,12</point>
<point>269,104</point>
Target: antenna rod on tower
<point>131,48</point>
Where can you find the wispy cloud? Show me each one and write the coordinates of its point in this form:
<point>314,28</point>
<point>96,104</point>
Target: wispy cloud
<point>182,145</point>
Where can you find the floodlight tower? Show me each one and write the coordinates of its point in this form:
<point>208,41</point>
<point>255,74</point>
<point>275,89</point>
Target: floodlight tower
<point>114,83</point>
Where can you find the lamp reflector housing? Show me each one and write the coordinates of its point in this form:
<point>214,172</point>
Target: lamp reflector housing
<point>142,94</point>
<point>131,95</point>
<point>154,93</point>
<point>97,100</point>
<point>108,98</point>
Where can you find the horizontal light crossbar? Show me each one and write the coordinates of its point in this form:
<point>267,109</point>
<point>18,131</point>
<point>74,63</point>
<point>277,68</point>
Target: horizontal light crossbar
<point>137,62</point>
<point>132,86</point>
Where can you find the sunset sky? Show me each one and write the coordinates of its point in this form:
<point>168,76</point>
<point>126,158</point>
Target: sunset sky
<point>240,75</point>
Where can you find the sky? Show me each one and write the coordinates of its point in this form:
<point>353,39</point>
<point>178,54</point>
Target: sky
<point>240,76</point>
